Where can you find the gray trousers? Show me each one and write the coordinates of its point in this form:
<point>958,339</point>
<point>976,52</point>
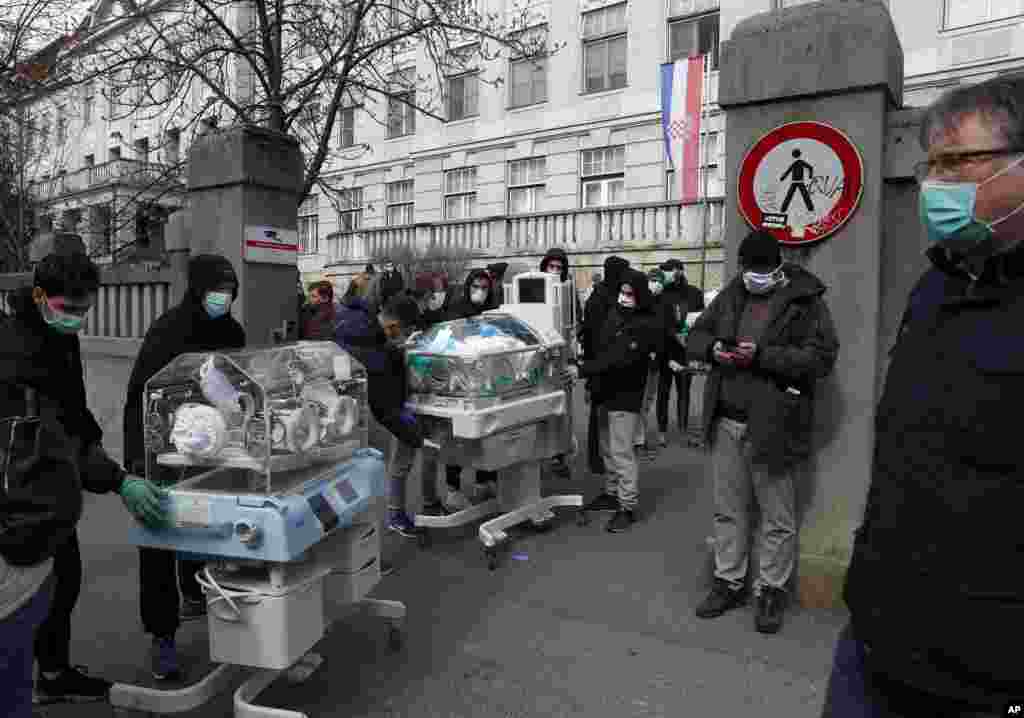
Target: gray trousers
<point>398,474</point>
<point>618,428</point>
<point>736,482</point>
<point>642,435</point>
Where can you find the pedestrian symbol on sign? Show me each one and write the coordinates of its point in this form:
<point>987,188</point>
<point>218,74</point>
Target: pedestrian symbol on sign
<point>1015,709</point>
<point>796,171</point>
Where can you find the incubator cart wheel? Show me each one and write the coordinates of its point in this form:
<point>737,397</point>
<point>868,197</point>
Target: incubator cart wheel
<point>581,518</point>
<point>396,637</point>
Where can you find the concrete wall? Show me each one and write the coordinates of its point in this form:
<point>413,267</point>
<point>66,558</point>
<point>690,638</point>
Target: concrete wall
<point>108,366</point>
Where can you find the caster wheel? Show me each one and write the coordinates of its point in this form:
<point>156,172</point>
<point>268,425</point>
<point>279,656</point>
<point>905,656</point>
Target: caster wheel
<point>423,538</point>
<point>582,519</point>
<point>492,558</point>
<point>396,638</point>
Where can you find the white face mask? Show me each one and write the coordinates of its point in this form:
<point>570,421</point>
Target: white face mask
<point>627,301</point>
<point>478,296</point>
<point>757,283</point>
<point>435,301</point>
<point>655,288</point>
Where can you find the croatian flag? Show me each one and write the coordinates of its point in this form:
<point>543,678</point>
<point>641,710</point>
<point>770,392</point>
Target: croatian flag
<point>681,84</point>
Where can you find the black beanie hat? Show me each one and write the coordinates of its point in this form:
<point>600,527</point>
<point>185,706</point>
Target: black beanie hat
<point>208,271</point>
<point>760,249</point>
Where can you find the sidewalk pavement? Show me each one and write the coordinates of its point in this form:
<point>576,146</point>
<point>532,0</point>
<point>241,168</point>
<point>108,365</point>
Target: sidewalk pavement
<point>580,623</point>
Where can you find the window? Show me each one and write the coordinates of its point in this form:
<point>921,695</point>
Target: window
<point>346,127</point>
<point>695,36</point>
<point>88,103</point>
<point>604,49</point>
<point>142,149</point>
<point>44,134</point>
<point>399,203</point>
<point>350,209</point>
<point>62,125</point>
<point>309,221</point>
<point>463,96</point>
<point>603,176</point>
<point>172,146</point>
<point>526,185</point>
<point>958,13</point>
<point>709,177</point>
<point>89,160</point>
<point>460,193</point>
<point>401,110</point>
<point>528,80</point>
<point>114,153</point>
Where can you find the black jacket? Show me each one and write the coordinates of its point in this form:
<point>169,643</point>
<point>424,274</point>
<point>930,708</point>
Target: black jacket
<point>32,354</point>
<point>460,306</point>
<point>562,257</point>
<point>618,371</point>
<point>599,303</point>
<point>180,330</point>
<point>798,347</point>
<point>935,585</point>
<point>388,382</point>
<point>676,301</point>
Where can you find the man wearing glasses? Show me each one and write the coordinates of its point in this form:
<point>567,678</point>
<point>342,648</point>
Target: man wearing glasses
<point>935,587</point>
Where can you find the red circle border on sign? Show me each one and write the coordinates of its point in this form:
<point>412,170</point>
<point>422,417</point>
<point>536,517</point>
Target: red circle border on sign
<point>849,157</point>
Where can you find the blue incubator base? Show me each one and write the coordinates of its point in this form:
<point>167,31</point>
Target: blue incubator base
<point>210,524</point>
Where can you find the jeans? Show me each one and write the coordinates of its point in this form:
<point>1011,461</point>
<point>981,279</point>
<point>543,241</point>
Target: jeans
<point>161,575</point>
<point>736,481</point>
<point>682,381</point>
<point>854,691</point>
<point>17,635</point>
<point>623,477</point>
<point>53,637</point>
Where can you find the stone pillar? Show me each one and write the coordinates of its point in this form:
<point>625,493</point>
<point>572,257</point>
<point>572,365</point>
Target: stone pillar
<point>837,62</point>
<point>245,181</point>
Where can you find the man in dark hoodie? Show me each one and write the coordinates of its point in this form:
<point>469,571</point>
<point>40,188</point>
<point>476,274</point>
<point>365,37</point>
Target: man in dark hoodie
<point>678,299</point>
<point>617,373</point>
<point>770,337</point>
<point>202,322</point>
<point>603,297</point>
<point>478,296</point>
<point>378,346</point>
<point>40,356</point>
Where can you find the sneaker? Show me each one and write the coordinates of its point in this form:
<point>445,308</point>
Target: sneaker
<point>771,603</point>
<point>721,599</point>
<point>485,491</point>
<point>193,609</point>
<point>621,521</point>
<point>455,501</point>
<point>401,524</point>
<point>662,439</point>
<point>71,685</point>
<point>163,657</point>
<point>603,502</point>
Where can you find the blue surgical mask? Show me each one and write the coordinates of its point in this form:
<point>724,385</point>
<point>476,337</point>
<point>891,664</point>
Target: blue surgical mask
<point>764,283</point>
<point>947,212</point>
<point>217,304</point>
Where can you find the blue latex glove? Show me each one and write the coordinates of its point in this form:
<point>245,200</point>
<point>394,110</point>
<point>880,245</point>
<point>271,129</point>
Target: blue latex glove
<point>407,418</point>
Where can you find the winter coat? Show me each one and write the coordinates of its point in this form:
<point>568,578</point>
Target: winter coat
<point>387,379</point>
<point>677,300</point>
<point>562,257</point>
<point>617,374</point>
<point>799,346</point>
<point>183,329</point>
<point>460,306</point>
<point>599,304</point>
<point>935,586</point>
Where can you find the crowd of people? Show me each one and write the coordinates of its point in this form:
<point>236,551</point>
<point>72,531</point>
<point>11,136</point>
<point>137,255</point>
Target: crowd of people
<point>934,598</point>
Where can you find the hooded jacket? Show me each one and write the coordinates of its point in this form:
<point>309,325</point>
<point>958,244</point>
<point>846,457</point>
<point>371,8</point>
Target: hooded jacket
<point>387,381</point>
<point>601,300</point>
<point>798,347</point>
<point>677,300</point>
<point>618,371</point>
<point>180,330</point>
<point>934,586</point>
<point>561,256</point>
<point>461,308</point>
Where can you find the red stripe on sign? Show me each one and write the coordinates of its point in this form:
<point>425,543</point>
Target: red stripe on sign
<point>691,144</point>
<point>272,245</point>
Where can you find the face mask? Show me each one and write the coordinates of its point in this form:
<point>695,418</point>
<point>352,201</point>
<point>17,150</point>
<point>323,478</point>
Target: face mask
<point>655,288</point>
<point>757,283</point>
<point>947,211</point>
<point>670,277</point>
<point>477,296</point>
<point>59,321</point>
<point>435,301</point>
<point>627,301</point>
<point>217,304</point>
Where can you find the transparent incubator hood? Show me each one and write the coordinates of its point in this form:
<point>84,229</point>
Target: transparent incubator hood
<point>254,414</point>
<point>493,356</point>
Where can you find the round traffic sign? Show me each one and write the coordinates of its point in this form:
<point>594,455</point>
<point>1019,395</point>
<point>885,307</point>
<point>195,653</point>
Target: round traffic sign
<point>801,181</point>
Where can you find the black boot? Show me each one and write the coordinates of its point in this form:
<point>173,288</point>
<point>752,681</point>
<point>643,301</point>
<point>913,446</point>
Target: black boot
<point>770,606</point>
<point>621,521</point>
<point>603,502</point>
<point>721,599</point>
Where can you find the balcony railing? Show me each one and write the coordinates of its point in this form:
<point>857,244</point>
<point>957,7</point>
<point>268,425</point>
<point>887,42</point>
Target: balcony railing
<point>637,225</point>
<point>134,173</point>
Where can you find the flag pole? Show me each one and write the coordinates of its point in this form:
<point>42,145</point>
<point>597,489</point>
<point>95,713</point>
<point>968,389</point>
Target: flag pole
<point>704,172</point>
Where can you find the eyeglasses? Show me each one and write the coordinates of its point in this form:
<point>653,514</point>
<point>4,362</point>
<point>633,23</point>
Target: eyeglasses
<point>954,164</point>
